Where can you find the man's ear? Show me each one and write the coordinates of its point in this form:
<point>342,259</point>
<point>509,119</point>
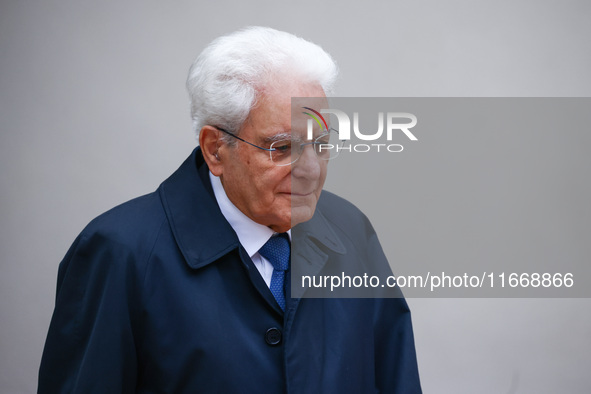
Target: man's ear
<point>210,142</point>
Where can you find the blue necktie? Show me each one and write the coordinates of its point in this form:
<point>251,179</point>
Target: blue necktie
<point>277,251</point>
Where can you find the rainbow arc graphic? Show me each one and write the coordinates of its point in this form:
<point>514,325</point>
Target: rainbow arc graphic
<point>315,115</point>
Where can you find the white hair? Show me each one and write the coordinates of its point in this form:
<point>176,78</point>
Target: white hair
<point>226,78</point>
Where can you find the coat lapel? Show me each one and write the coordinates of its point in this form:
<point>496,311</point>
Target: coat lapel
<point>193,215</point>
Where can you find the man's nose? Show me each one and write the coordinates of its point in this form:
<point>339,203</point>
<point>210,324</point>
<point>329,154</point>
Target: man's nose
<point>308,165</point>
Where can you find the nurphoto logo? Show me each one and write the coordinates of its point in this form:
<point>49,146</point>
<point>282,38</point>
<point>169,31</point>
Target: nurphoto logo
<point>396,122</point>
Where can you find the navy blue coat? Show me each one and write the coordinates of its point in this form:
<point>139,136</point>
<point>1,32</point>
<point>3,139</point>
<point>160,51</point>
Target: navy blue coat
<point>158,296</point>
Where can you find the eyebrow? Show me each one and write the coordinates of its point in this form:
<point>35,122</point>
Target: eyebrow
<point>278,137</point>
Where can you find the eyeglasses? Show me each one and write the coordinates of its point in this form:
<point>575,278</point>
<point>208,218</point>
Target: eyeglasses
<point>287,151</point>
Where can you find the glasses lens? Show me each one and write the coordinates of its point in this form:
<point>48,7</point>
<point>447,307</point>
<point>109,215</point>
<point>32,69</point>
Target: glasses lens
<point>327,145</point>
<point>282,152</point>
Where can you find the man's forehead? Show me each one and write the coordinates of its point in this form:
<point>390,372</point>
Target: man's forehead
<point>306,105</point>
<point>280,112</point>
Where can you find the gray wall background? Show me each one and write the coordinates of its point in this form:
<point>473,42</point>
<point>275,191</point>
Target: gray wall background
<point>93,112</point>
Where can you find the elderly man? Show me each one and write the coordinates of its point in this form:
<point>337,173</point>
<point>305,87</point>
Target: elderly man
<point>184,290</point>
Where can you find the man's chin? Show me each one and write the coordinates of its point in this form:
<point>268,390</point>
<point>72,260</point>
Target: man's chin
<point>301,214</point>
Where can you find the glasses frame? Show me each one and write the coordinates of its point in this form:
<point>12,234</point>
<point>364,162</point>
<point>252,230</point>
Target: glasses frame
<point>271,150</point>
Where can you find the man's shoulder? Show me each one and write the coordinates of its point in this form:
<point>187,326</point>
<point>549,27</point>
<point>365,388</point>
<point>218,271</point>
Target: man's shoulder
<point>115,243</point>
<point>130,222</point>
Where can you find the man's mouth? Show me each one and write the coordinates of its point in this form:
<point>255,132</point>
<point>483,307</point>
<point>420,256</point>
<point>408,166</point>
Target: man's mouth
<point>301,194</point>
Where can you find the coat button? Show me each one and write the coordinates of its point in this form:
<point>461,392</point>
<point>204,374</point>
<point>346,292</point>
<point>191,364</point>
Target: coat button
<point>273,336</point>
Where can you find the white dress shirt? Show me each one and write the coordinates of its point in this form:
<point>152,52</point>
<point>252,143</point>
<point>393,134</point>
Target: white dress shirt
<point>251,234</point>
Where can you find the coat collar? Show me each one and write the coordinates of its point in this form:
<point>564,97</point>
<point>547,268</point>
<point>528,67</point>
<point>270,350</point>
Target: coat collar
<point>201,231</point>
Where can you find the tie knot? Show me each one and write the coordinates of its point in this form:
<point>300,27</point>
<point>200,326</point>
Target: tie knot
<point>277,251</point>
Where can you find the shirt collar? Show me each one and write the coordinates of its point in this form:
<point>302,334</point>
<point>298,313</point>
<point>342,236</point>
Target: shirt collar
<point>251,234</point>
